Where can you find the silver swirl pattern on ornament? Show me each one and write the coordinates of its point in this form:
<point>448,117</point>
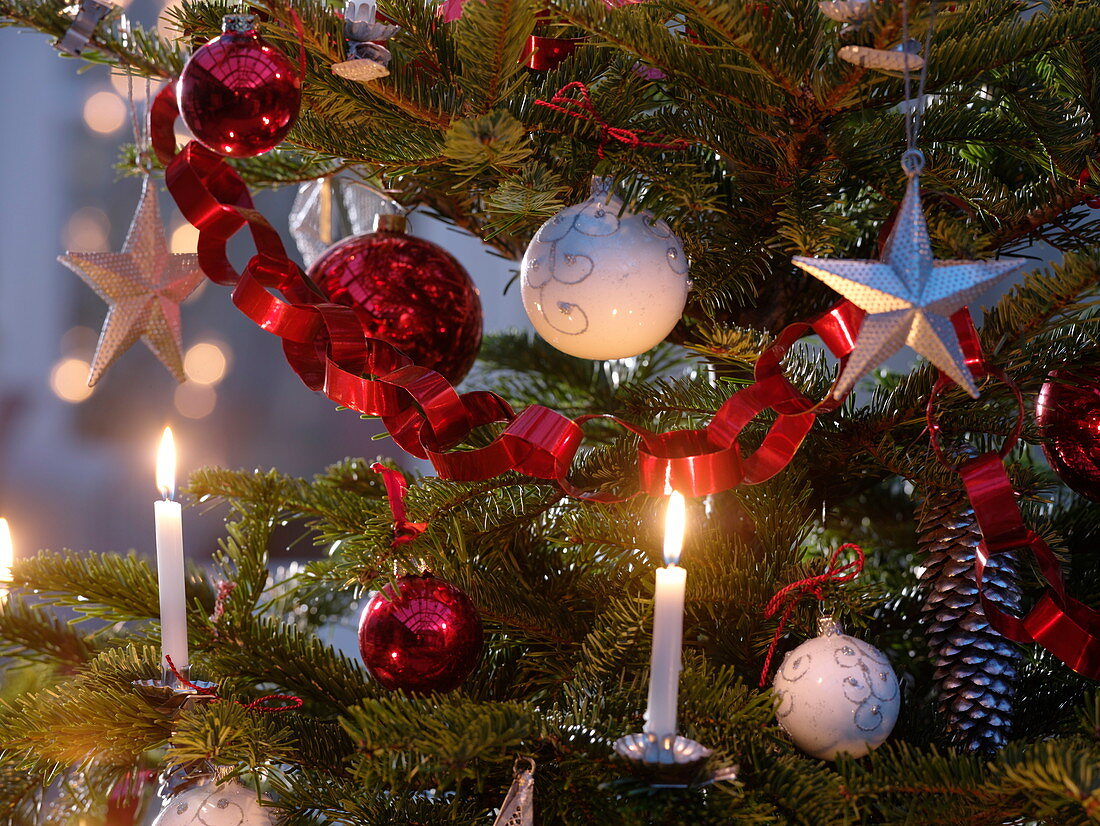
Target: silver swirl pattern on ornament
<point>596,219</point>
<point>871,687</point>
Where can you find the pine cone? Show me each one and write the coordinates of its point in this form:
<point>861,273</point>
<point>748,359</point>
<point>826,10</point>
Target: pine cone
<point>975,666</point>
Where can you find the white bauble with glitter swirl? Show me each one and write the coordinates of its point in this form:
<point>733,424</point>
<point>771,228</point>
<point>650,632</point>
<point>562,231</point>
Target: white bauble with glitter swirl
<point>603,285</point>
<point>836,695</point>
<point>227,804</point>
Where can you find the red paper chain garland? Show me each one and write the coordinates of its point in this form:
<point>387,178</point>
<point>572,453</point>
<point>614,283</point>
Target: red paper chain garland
<point>1063,625</point>
<point>428,418</point>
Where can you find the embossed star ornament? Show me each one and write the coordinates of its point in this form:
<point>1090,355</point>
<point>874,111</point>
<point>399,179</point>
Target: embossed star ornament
<point>908,296</point>
<point>143,286</point>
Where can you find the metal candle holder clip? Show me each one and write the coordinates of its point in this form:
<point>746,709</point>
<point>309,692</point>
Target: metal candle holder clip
<point>86,17</point>
<point>367,59</point>
<point>172,695</point>
<point>669,761</point>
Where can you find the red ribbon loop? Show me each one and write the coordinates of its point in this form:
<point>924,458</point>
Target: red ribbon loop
<point>396,487</point>
<point>582,109</point>
<point>789,596</point>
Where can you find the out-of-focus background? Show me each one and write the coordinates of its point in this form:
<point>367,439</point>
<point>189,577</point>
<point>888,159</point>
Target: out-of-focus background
<point>76,466</point>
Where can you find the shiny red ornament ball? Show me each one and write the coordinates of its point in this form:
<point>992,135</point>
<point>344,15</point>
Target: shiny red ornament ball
<point>407,292</point>
<point>1068,413</point>
<point>422,636</point>
<point>239,95</point>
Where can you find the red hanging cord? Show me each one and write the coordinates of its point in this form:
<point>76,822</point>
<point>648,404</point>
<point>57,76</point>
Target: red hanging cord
<point>291,701</point>
<point>582,109</point>
<point>789,596</point>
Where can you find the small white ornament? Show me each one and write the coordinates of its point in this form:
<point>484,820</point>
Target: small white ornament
<point>228,804</point>
<point>836,695</point>
<point>600,285</point>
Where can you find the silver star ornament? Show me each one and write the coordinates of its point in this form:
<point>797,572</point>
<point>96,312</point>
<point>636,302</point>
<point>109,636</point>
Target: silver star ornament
<point>909,297</point>
<point>143,286</point>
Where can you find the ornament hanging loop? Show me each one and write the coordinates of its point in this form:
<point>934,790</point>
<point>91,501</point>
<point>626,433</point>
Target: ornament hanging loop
<point>787,598</point>
<point>934,427</point>
<point>912,162</point>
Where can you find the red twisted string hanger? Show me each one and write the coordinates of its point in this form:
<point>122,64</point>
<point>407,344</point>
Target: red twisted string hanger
<point>789,596</point>
<point>291,701</point>
<point>582,108</point>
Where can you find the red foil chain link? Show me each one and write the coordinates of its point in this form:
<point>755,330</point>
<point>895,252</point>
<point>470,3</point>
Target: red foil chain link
<point>1063,625</point>
<point>423,413</point>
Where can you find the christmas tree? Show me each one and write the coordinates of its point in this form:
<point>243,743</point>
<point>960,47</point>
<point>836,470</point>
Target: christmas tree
<point>755,133</point>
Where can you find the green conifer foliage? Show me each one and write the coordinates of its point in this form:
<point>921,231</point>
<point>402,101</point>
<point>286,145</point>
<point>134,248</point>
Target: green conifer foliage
<point>790,151</point>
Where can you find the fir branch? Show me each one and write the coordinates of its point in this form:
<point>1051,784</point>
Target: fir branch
<point>113,42</point>
<point>440,739</point>
<point>109,586</point>
<point>34,632</point>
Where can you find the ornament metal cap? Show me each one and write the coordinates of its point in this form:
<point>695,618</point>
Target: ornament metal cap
<point>602,187</point>
<point>390,223</point>
<point>238,23</point>
<point>845,11</point>
<point>828,626</point>
<point>80,31</point>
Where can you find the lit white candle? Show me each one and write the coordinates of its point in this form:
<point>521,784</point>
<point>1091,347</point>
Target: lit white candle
<point>7,556</point>
<point>668,626</point>
<point>170,572</point>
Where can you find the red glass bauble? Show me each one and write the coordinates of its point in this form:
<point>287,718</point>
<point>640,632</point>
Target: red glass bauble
<point>1068,413</point>
<point>407,292</point>
<point>239,95</point>
<point>422,636</point>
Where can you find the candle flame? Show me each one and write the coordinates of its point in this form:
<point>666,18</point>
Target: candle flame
<point>7,554</point>
<point>675,519</point>
<point>166,465</point>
